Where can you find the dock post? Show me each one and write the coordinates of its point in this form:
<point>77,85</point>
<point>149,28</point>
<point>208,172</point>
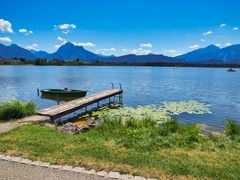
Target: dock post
<point>98,104</point>
<point>109,101</point>
<point>38,92</point>
<point>112,85</point>
<point>58,101</point>
<point>85,108</point>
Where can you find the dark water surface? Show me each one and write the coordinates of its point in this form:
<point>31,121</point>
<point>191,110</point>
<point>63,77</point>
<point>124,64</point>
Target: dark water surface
<point>142,86</point>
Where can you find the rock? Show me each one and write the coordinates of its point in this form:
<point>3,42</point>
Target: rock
<point>50,125</point>
<point>90,121</point>
<point>102,173</point>
<point>98,122</point>
<point>84,128</point>
<point>69,128</point>
<point>114,175</point>
<point>77,169</point>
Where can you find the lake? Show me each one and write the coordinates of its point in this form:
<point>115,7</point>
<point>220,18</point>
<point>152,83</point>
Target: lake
<point>142,86</point>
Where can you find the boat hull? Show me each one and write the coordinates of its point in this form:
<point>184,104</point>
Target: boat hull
<point>66,93</point>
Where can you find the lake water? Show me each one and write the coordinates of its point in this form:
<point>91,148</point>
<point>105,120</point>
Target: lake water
<point>142,86</point>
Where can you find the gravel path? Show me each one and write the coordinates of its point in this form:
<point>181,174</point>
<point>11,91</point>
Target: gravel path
<point>16,171</point>
<point>8,126</point>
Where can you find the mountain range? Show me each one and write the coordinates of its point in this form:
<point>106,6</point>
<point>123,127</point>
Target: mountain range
<point>213,53</point>
<point>69,51</point>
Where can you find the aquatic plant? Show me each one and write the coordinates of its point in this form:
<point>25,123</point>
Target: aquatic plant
<point>158,113</point>
<point>16,110</point>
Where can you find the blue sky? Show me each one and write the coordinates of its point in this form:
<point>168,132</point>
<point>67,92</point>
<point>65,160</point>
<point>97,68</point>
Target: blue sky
<point>169,27</point>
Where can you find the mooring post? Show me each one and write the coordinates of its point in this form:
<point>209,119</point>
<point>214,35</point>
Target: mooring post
<point>112,85</point>
<point>85,108</point>
<point>58,101</point>
<point>38,92</point>
<point>98,104</point>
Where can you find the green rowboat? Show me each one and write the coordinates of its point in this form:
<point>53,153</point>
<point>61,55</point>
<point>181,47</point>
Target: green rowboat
<point>64,92</point>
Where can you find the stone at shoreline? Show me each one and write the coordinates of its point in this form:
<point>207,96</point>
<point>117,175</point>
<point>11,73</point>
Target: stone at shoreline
<point>72,128</point>
<point>90,121</point>
<point>69,128</point>
<point>84,128</point>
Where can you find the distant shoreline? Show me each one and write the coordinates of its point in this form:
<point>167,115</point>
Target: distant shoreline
<point>162,64</point>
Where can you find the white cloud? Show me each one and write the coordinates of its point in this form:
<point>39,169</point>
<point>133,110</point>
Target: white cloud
<point>65,27</point>
<point>235,28</point>
<point>218,44</point>
<point>57,46</point>
<point>173,52</point>
<point>25,31</point>
<point>207,33</point>
<point>203,40</point>
<point>106,51</point>
<point>85,44</point>
<point>195,46</point>
<point>63,41</point>
<point>228,44</point>
<point>5,26</point>
<point>125,50</point>
<point>140,51</point>
<point>29,32</point>
<point>22,30</point>
<point>60,38</point>
<point>5,39</point>
<point>32,47</point>
<point>222,25</point>
<point>147,45</point>
<point>66,31</point>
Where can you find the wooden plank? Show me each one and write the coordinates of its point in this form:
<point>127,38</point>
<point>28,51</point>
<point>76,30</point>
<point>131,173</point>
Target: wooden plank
<point>71,106</point>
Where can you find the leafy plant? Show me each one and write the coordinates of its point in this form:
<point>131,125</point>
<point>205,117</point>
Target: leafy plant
<point>232,128</point>
<point>190,132</point>
<point>159,114</point>
<point>16,110</point>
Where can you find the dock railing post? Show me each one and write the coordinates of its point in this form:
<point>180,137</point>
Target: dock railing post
<point>120,85</point>
<point>112,85</point>
<point>58,101</point>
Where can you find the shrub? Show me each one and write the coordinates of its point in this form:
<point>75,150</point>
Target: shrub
<point>190,132</point>
<point>171,126</point>
<point>232,128</point>
<point>16,110</point>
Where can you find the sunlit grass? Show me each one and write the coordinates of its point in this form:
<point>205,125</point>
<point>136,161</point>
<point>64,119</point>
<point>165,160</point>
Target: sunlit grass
<point>142,147</point>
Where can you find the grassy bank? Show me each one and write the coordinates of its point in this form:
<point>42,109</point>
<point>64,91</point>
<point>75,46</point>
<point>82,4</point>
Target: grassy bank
<point>138,147</point>
<point>15,110</point>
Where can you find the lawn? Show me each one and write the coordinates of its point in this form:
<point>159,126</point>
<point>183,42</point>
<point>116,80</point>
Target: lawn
<point>137,147</point>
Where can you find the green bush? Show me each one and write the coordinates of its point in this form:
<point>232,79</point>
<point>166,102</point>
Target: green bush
<point>171,126</point>
<point>190,132</point>
<point>16,110</point>
<point>232,128</point>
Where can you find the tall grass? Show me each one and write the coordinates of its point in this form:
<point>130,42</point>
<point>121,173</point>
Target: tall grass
<point>232,128</point>
<point>147,135</point>
<point>16,110</point>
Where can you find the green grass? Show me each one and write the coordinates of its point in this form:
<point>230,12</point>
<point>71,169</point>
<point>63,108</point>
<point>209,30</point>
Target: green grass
<point>16,110</point>
<point>141,147</point>
<point>232,128</point>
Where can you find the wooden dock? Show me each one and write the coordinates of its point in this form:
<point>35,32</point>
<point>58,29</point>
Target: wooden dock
<point>72,106</point>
